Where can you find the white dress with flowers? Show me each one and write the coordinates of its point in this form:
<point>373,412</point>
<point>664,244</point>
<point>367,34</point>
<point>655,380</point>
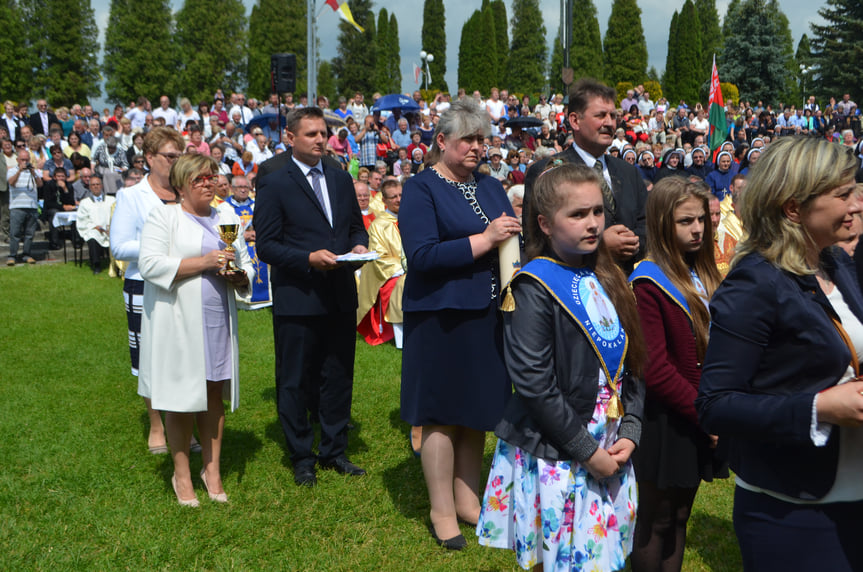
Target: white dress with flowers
<point>555,512</point>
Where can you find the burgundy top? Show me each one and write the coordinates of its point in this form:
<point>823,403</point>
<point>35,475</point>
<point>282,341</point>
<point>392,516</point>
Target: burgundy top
<point>672,372</point>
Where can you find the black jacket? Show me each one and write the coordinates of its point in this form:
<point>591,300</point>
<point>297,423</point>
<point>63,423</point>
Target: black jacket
<point>555,373</point>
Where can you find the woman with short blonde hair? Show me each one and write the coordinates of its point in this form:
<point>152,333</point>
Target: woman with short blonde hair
<point>780,382</point>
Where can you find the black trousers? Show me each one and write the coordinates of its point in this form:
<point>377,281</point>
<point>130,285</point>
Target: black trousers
<point>97,252</point>
<point>314,370</point>
<point>779,536</point>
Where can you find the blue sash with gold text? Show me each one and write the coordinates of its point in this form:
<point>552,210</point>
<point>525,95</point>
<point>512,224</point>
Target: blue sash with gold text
<point>582,296</point>
<point>649,270</point>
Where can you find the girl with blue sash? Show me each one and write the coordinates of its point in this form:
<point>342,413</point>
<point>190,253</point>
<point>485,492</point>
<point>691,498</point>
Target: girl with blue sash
<point>561,492</point>
<point>672,286</point>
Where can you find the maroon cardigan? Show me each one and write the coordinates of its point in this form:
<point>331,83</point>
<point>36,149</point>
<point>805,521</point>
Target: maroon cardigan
<point>672,373</point>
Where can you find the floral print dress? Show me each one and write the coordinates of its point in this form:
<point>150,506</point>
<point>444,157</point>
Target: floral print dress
<point>555,512</point>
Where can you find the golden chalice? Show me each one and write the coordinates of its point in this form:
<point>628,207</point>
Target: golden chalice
<point>228,233</point>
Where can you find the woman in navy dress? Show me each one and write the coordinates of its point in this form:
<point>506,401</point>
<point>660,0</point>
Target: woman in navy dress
<point>454,383</point>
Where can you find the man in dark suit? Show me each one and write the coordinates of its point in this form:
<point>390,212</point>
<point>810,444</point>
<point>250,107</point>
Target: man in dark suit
<point>592,118</point>
<point>42,120</point>
<point>306,214</point>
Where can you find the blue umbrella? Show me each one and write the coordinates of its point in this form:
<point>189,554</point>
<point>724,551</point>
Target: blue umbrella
<point>263,121</point>
<point>395,101</point>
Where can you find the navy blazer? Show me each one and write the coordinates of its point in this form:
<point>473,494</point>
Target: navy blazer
<point>772,348</point>
<point>290,224</point>
<point>435,222</point>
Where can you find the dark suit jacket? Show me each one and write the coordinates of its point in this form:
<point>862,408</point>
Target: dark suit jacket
<point>630,194</point>
<point>36,123</point>
<point>772,348</point>
<point>290,224</point>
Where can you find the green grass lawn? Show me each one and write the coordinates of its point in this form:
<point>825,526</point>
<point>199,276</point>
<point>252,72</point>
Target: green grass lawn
<point>79,491</point>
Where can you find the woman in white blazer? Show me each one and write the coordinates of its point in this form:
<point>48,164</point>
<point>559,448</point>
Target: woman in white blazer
<point>162,147</point>
<point>189,355</point>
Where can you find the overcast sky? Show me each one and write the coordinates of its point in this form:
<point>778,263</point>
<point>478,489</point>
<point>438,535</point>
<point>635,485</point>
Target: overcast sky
<point>655,17</point>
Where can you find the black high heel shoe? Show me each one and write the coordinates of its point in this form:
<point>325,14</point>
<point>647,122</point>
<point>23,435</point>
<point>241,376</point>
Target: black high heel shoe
<point>454,543</point>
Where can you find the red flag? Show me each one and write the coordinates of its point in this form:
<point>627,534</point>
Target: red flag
<point>334,4</point>
<point>716,111</point>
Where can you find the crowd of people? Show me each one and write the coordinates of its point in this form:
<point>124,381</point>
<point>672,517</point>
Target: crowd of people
<point>609,409</point>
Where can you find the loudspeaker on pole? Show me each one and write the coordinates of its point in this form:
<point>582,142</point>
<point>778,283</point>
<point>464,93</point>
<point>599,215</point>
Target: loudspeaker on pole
<point>283,73</point>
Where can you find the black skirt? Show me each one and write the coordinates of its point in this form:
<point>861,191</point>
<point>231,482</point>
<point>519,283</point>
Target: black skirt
<point>675,453</point>
<point>453,371</point>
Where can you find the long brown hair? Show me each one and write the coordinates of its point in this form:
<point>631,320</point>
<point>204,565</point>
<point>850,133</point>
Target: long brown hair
<point>546,199</point>
<point>664,249</point>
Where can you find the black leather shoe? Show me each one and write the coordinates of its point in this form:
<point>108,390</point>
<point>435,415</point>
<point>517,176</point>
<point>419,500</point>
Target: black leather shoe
<point>305,476</point>
<point>454,543</point>
<point>341,465</point>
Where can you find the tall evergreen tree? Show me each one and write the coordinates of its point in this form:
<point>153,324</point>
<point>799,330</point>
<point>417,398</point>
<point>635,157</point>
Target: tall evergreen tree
<point>555,65</point>
<point>837,47</point>
<point>585,53</point>
<point>624,48</point>
<point>276,26</point>
<point>434,41</point>
<point>355,65</point>
<point>688,56</point>
<point>16,65</point>
<point>468,54</point>
<point>382,48</point>
<point>395,58</point>
<point>752,57</point>
<point>136,62</point>
<point>326,81</point>
<point>669,78</point>
<point>527,57</point>
<point>62,42</point>
<point>490,58</point>
<point>211,44</point>
<point>803,65</point>
<point>711,35</point>
<point>501,35</point>
<point>791,90</point>
<point>585,56</point>
<point>731,14</point>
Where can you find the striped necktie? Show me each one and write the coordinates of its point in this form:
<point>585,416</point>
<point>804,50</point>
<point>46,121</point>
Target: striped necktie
<point>607,193</point>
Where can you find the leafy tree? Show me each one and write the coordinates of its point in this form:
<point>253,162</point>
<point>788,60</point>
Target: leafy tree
<point>625,50</point>
<point>688,54</point>
<point>355,65</point>
<point>498,9</point>
<point>754,57</point>
<point>555,65</point>
<point>434,41</point>
<point>711,35</point>
<point>527,57</point>
<point>16,76</point>
<point>211,44</point>
<point>326,81</point>
<point>62,42</point>
<point>136,62</point>
<point>836,46</point>
<point>382,47</point>
<point>652,75</point>
<point>276,26</point>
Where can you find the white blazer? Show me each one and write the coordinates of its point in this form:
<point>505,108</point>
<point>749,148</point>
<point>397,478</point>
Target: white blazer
<point>172,371</point>
<point>133,207</point>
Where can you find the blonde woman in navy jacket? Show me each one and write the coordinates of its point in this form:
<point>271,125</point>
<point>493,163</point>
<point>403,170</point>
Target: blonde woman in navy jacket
<point>454,383</point>
<point>780,377</point>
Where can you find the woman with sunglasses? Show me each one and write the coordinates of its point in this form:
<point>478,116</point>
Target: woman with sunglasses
<point>189,353</point>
